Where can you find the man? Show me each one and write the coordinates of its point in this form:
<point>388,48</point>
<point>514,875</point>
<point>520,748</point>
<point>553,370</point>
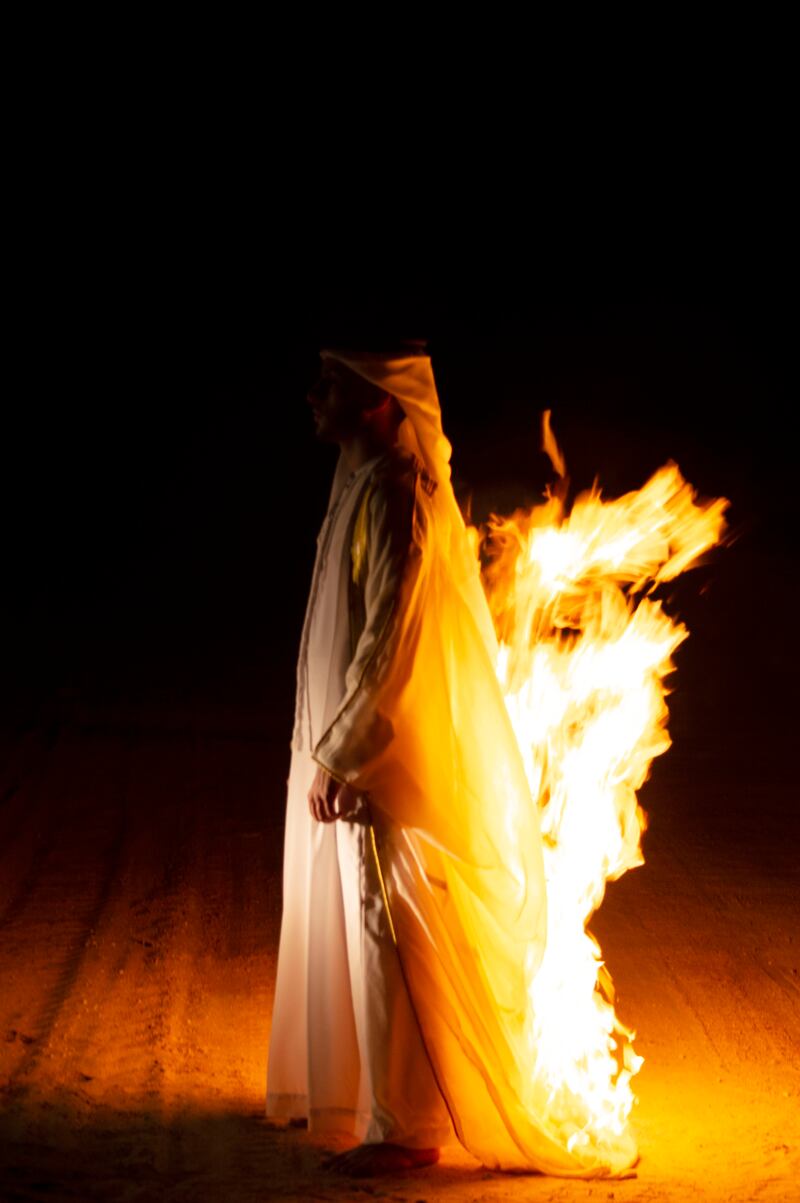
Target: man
<point>364,1071</point>
<point>414,897</point>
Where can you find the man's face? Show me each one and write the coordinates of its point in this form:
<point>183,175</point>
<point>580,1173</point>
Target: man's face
<point>337,399</point>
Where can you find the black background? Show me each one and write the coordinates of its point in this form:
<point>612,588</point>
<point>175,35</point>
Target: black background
<point>163,487</point>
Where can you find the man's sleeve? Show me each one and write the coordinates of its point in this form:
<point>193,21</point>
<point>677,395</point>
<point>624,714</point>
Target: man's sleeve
<point>362,728</point>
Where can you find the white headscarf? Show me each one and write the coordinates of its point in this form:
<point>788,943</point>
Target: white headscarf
<point>409,378</point>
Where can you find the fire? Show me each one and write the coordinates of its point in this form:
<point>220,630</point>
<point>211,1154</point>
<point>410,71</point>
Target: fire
<point>584,652</point>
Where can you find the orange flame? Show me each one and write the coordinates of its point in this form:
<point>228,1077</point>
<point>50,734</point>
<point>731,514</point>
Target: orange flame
<point>584,650</point>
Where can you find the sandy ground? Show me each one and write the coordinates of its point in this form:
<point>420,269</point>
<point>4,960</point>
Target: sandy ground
<point>140,905</point>
<point>140,910</point>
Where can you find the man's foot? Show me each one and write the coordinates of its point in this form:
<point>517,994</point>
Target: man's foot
<point>366,1160</point>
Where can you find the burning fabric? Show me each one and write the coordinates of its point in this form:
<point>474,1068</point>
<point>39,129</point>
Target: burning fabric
<point>498,727</point>
<point>582,660</point>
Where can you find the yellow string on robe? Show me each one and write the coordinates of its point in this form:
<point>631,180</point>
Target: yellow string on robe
<point>358,547</point>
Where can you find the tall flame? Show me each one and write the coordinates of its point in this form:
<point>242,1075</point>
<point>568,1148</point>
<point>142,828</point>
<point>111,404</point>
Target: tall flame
<point>584,650</point>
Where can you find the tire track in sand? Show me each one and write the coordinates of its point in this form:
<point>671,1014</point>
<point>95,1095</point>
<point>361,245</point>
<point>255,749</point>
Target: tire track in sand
<point>61,897</point>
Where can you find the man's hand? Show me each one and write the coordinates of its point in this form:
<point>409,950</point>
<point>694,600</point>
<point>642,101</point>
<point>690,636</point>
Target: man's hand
<point>328,799</point>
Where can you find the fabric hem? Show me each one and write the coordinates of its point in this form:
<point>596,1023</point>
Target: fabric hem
<point>286,1106</point>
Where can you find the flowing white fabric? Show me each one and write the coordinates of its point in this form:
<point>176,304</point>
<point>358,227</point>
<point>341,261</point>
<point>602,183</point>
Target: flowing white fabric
<point>422,732</point>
